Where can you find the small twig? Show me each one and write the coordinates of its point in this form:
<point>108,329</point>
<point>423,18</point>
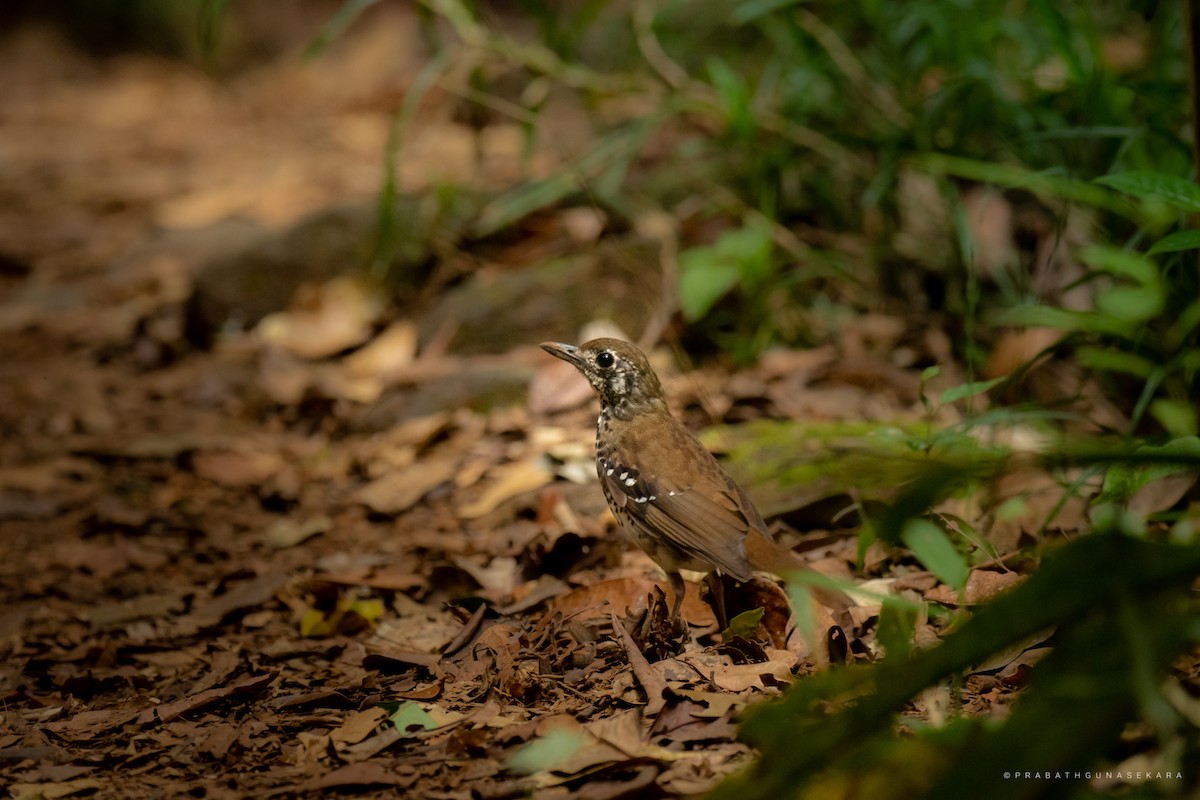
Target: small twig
<point>536,57</point>
<point>651,682</point>
<point>668,260</point>
<point>852,67</point>
<point>496,103</point>
<point>652,50</point>
<point>467,633</point>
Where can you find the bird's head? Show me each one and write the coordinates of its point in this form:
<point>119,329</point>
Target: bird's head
<point>617,370</point>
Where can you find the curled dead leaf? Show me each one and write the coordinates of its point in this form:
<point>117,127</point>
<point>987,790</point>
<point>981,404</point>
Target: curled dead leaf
<point>401,489</point>
<point>387,353</point>
<point>508,481</point>
<point>331,318</point>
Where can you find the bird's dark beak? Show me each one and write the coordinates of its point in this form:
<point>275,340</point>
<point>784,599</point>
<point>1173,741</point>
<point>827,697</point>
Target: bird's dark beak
<point>567,352</point>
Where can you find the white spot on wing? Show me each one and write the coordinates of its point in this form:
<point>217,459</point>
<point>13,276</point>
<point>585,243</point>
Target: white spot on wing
<point>630,481</point>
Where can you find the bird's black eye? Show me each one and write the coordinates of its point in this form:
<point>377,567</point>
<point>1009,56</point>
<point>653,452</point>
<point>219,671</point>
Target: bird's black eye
<point>604,359</point>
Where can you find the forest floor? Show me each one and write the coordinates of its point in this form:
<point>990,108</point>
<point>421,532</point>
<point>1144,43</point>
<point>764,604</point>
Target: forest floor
<point>334,550</point>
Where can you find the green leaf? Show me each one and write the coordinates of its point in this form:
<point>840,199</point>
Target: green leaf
<point>706,274</point>
<point>1183,326</point>
<point>750,247</point>
<point>408,716</point>
<point>1123,480</point>
<point>1180,240</point>
<point>1122,263</point>
<point>1134,303</point>
<point>547,751</point>
<point>1111,518</point>
<point>897,621</point>
<point>1015,177</point>
<point>1067,320</point>
<point>749,11</point>
<point>1180,193</point>
<point>1114,361</point>
<point>526,198</point>
<point>744,624</point>
<point>803,606</point>
<point>1183,531</point>
<point>968,390</point>
<point>1178,417</point>
<point>704,278</point>
<point>734,96</point>
<point>933,548</point>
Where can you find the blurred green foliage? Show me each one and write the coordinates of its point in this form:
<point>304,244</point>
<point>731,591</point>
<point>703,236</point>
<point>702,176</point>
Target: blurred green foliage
<point>784,137</point>
<point>1120,615</point>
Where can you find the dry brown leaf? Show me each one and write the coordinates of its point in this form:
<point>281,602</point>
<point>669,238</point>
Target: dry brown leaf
<point>498,577</point>
<point>248,594</point>
<point>282,377</point>
<point>358,726</point>
<point>377,577</point>
<point>418,432</point>
<point>1016,348</point>
<point>508,481</point>
<point>45,476</point>
<point>401,489</point>
<point>219,739</point>
<point>795,364</point>
<point>729,676</point>
<point>711,705</point>
<point>87,724</point>
<point>291,532</point>
<point>235,468</point>
<point>51,791</point>
<point>1027,499</point>
<point>243,688</point>
<point>984,584</point>
<point>424,632</point>
<point>329,319</point>
<point>591,754</point>
<point>990,218</point>
<point>147,606</point>
<point>694,777</point>
<point>362,774</point>
<point>621,594</point>
<point>1016,669</point>
<point>623,731</point>
<point>1162,494</point>
<point>389,352</point>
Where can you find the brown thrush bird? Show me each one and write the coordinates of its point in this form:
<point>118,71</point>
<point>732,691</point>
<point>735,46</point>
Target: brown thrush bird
<point>665,489</point>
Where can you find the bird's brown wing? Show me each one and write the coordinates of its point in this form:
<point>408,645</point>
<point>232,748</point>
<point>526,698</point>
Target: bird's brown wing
<point>682,495</point>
